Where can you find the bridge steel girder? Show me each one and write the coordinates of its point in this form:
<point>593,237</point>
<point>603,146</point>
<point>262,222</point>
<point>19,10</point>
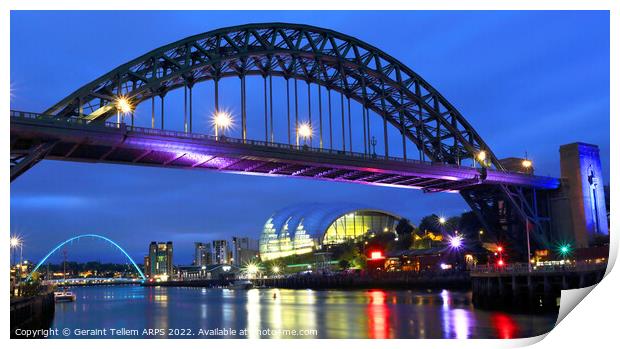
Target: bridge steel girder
<point>124,144</point>
<point>28,157</point>
<point>337,61</point>
<point>501,209</point>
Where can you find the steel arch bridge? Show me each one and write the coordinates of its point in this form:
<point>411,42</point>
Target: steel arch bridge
<point>86,236</point>
<point>452,156</point>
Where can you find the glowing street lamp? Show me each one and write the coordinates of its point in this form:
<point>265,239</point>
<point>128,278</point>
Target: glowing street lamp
<point>564,250</point>
<point>456,241</point>
<point>304,131</point>
<point>123,105</point>
<point>251,269</point>
<point>482,156</point>
<point>15,241</point>
<point>442,220</point>
<point>221,120</point>
<point>275,269</point>
<point>526,163</point>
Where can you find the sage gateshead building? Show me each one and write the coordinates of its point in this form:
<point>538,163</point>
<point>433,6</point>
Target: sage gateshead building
<point>304,228</point>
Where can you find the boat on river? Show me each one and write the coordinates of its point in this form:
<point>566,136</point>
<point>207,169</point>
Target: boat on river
<point>241,285</point>
<point>64,296</point>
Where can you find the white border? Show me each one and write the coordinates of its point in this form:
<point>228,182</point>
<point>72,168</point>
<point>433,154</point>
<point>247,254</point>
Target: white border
<point>592,324</point>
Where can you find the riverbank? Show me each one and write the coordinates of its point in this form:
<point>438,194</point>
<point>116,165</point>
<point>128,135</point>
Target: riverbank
<point>32,313</point>
<point>453,281</point>
<point>87,284</point>
<point>457,281</point>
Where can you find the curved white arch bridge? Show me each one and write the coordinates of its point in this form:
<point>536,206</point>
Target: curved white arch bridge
<point>96,236</point>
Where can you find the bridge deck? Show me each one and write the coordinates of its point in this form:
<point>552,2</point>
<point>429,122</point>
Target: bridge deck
<point>76,140</point>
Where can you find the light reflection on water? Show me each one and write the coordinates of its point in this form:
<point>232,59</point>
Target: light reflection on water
<point>334,314</point>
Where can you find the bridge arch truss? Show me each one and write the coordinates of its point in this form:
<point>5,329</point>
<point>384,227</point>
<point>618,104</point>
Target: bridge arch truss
<point>331,60</point>
<point>96,236</point>
<point>335,61</point>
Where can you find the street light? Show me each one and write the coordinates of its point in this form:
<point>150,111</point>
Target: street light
<point>442,220</point>
<point>304,131</point>
<point>527,165</point>
<point>221,120</point>
<point>275,269</point>
<point>123,105</point>
<point>482,156</point>
<point>251,269</point>
<point>564,250</point>
<point>15,242</point>
<point>456,241</point>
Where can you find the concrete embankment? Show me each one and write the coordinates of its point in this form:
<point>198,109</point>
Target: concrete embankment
<point>318,282</point>
<point>383,281</point>
<point>189,283</point>
<point>32,313</point>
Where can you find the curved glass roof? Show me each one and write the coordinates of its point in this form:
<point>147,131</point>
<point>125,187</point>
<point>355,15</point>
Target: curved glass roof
<point>316,217</point>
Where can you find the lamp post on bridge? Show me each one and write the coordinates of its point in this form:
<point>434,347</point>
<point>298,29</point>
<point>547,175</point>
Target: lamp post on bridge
<point>527,165</point>
<point>304,131</point>
<point>373,142</point>
<point>223,120</point>
<point>123,106</point>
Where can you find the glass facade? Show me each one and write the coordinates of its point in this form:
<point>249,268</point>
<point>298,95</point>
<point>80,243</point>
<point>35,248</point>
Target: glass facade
<point>357,224</point>
<point>302,229</point>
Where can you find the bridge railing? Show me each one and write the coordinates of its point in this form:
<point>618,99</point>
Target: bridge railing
<point>515,268</point>
<point>158,132</point>
<point>57,121</point>
<point>252,142</point>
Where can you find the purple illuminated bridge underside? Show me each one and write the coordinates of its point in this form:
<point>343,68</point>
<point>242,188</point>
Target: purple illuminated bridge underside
<point>75,140</point>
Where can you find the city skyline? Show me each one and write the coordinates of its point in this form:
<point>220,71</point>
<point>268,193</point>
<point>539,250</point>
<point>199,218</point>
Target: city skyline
<point>132,202</point>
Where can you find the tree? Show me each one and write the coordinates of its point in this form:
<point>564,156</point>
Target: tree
<point>404,227</point>
<point>470,225</point>
<point>344,264</point>
<point>429,223</point>
<point>451,225</point>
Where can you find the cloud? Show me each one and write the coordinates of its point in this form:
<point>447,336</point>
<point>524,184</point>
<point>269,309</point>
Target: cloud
<point>49,201</point>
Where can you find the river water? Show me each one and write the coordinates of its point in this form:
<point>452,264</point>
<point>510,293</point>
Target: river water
<point>182,312</point>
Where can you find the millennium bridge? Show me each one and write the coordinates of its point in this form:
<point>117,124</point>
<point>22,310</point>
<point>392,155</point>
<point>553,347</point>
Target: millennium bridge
<point>321,73</point>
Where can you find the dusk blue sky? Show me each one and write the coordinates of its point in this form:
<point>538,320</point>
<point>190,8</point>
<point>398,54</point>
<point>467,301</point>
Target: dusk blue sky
<point>527,81</point>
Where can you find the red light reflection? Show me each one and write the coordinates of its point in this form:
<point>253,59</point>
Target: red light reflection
<point>505,326</point>
<point>378,315</point>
